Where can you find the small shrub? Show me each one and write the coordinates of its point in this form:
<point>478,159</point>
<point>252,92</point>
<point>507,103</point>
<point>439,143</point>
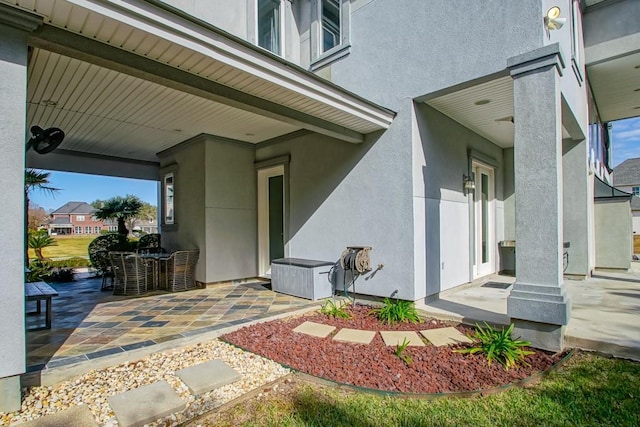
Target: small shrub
<point>498,345</point>
<point>332,310</point>
<point>38,271</point>
<point>400,348</point>
<point>75,262</point>
<point>397,311</point>
<point>60,275</point>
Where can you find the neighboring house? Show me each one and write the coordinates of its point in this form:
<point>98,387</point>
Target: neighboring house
<point>626,177</point>
<point>76,218</point>
<point>146,226</point>
<point>429,130</point>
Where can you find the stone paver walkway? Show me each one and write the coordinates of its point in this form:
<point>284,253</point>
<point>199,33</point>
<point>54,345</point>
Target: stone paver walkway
<point>89,324</point>
<point>437,337</point>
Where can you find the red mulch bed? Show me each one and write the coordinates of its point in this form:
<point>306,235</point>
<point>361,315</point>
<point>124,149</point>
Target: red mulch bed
<point>434,369</point>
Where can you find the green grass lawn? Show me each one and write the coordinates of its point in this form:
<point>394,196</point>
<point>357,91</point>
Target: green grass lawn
<point>587,391</point>
<point>67,247</point>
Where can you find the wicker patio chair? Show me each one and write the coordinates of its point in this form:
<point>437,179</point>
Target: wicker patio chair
<point>99,249</point>
<point>180,270</point>
<point>149,244</point>
<point>132,274</point>
<point>102,263</point>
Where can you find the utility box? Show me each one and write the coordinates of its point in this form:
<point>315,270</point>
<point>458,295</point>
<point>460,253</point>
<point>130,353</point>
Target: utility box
<point>304,278</point>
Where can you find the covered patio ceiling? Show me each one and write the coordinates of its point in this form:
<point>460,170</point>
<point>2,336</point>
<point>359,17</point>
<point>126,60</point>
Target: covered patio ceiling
<point>615,84</point>
<point>127,79</point>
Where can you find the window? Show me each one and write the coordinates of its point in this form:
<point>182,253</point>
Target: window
<point>636,191</point>
<point>270,25</point>
<point>87,230</point>
<point>329,31</point>
<point>576,31</point>
<point>77,230</point>
<point>330,13</point>
<point>169,217</point>
<point>79,217</point>
<point>98,229</point>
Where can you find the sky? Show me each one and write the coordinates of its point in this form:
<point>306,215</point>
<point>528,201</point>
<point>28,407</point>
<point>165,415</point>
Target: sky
<point>75,187</point>
<point>626,140</point>
<point>87,188</point>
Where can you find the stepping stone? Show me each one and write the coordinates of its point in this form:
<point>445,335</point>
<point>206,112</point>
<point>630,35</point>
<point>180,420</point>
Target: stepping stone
<point>208,376</point>
<point>146,404</point>
<point>76,416</point>
<point>315,329</point>
<point>445,336</point>
<point>397,338</point>
<point>356,336</point>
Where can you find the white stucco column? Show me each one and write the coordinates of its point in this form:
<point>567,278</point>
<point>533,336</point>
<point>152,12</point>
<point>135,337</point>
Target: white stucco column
<point>538,304</point>
<point>14,26</point>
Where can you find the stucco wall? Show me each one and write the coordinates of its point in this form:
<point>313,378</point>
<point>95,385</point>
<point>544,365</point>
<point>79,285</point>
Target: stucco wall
<point>613,234</point>
<point>402,49</point>
<point>614,20</point>
<point>446,215</point>
<point>636,222</point>
<point>188,164</point>
<point>230,210</point>
<point>349,195</point>
<point>13,85</point>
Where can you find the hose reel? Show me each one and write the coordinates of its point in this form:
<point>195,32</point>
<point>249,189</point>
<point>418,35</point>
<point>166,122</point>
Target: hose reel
<point>356,260</point>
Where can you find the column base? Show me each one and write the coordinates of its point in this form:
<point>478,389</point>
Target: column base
<point>10,394</point>
<point>539,303</point>
<point>541,335</point>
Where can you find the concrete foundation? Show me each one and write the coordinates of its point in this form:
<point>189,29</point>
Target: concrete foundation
<point>545,336</point>
<point>10,395</point>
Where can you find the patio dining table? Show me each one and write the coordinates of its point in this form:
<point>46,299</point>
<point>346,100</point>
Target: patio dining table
<point>155,260</point>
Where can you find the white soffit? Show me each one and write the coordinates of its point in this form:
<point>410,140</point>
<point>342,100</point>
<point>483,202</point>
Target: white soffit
<point>616,87</point>
<point>492,119</point>
<point>109,113</point>
<point>151,32</point>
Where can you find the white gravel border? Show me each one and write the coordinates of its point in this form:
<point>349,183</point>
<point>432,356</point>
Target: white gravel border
<point>93,387</point>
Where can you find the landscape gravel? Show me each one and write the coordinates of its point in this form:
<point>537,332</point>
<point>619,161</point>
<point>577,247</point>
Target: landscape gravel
<point>93,388</point>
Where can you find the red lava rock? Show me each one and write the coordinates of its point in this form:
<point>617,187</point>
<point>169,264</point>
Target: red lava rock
<point>434,369</point>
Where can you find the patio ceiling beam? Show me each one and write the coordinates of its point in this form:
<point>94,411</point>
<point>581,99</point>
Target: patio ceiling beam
<point>65,43</point>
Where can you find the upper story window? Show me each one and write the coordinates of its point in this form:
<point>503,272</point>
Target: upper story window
<point>576,40</point>
<point>79,217</point>
<point>270,25</point>
<point>330,22</point>
<point>329,31</point>
<point>636,191</point>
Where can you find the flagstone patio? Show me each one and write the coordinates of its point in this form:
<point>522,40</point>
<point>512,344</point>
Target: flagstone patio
<point>89,323</point>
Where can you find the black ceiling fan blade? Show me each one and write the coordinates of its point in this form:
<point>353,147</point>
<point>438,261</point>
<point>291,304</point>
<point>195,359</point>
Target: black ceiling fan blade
<point>45,141</point>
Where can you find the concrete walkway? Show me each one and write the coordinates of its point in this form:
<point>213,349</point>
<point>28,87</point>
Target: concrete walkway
<point>605,309</point>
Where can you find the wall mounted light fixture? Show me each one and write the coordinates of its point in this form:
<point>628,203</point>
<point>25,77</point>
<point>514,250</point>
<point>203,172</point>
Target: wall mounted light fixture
<point>552,19</point>
<point>468,183</point>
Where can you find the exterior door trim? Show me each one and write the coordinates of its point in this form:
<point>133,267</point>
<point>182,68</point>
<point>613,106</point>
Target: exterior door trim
<point>263,175</point>
<point>484,268</point>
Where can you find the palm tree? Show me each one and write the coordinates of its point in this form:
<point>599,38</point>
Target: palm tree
<point>34,180</point>
<point>39,240</point>
<point>120,208</point>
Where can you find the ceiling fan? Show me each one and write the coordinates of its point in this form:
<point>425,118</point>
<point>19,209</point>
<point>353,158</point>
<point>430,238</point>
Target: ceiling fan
<point>45,141</point>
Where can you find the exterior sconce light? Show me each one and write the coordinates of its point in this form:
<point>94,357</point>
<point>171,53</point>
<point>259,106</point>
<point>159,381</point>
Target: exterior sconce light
<point>468,183</point>
<point>552,20</point>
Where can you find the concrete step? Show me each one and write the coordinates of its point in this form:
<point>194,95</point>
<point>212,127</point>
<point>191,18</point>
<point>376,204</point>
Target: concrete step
<point>208,376</point>
<point>76,416</point>
<point>146,404</point>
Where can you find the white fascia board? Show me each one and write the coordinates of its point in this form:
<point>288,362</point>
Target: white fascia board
<point>152,20</point>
